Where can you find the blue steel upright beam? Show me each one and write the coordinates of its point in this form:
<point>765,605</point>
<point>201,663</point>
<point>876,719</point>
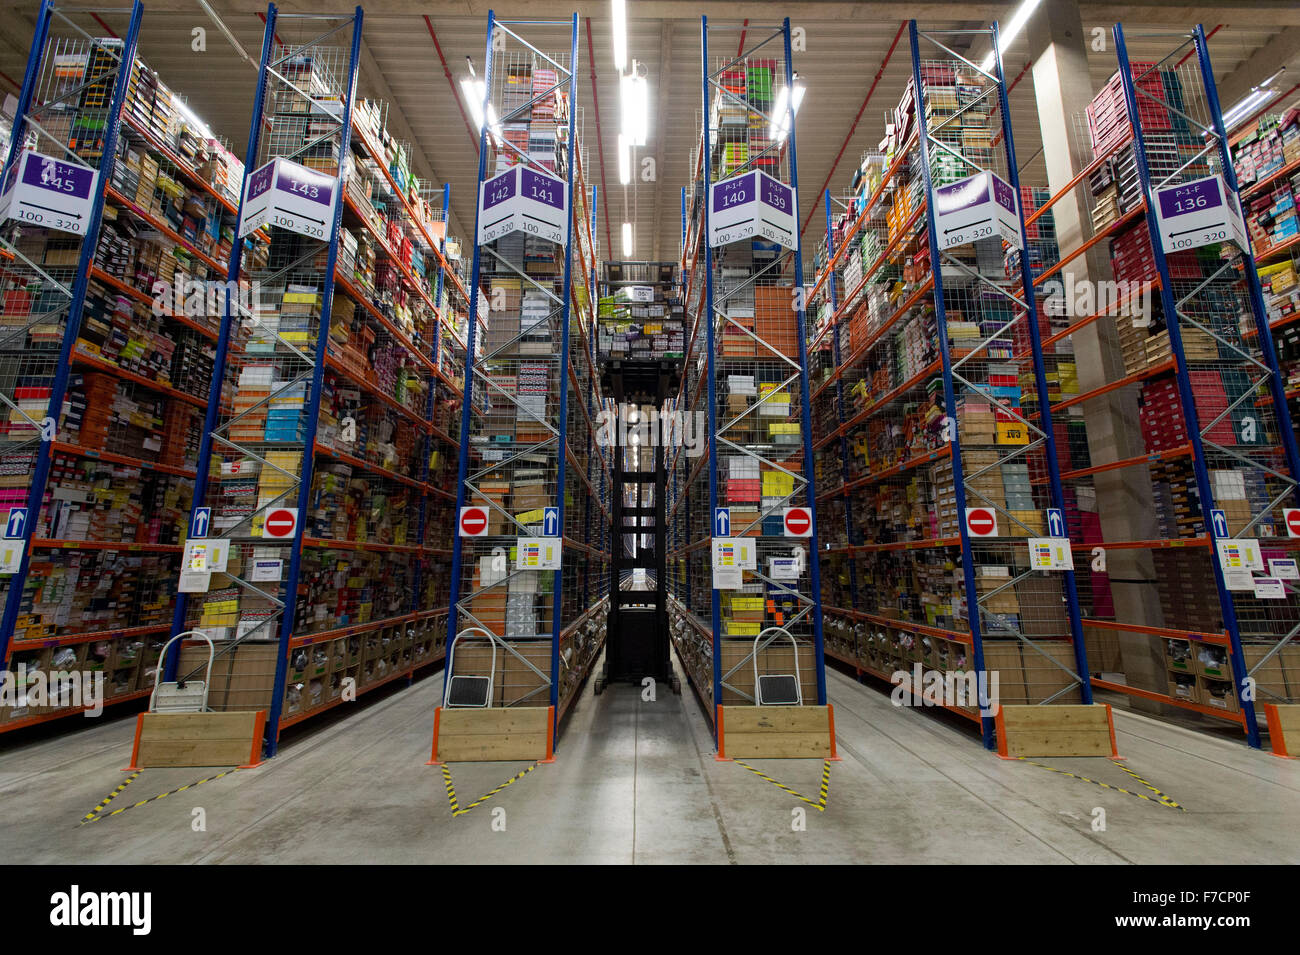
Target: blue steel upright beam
<point>223,334</point>
<point>715,603</point>
<point>1040,376</point>
<point>1276,383</point>
<point>1203,486</point>
<point>557,602</point>
<point>987,727</point>
<point>18,581</point>
<point>805,414</point>
<point>76,307</point>
<point>312,410</point>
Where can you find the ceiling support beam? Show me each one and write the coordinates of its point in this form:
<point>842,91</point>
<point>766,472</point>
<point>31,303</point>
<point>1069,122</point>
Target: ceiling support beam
<point>1260,65</point>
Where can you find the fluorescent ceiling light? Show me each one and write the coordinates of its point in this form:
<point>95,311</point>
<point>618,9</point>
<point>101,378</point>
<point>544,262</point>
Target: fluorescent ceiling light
<point>628,248</point>
<point>779,127</point>
<point>192,118</point>
<point>474,91</point>
<point>1011,31</point>
<point>635,95</point>
<point>618,13</point>
<point>1258,97</point>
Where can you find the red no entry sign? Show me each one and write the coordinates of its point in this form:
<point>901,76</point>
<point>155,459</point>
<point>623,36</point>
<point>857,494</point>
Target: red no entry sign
<point>981,522</point>
<point>1292,517</point>
<point>798,522</point>
<point>473,521</point>
<point>280,522</point>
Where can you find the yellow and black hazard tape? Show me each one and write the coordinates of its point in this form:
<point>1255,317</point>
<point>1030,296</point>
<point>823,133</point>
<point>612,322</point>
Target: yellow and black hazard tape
<point>96,815</point>
<point>823,793</point>
<point>1163,799</point>
<point>451,790</point>
<point>109,798</point>
<point>458,810</point>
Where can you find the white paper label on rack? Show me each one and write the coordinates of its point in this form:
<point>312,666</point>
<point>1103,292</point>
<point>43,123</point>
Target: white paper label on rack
<point>49,192</point>
<point>207,555</point>
<point>289,196</point>
<point>11,555</point>
<point>1240,553</point>
<point>730,579</point>
<point>537,553</point>
<point>1050,553</point>
<point>523,200</point>
<point>977,207</point>
<point>784,568</point>
<point>1283,568</point>
<point>266,569</point>
<point>1196,213</point>
<point>737,553</point>
<point>753,206</point>
<point>1239,580</point>
<point>194,581</point>
<point>1269,588</point>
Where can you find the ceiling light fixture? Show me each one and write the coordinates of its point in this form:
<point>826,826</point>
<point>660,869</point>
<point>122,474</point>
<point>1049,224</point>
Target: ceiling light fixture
<point>779,127</point>
<point>1258,97</point>
<point>1012,30</point>
<point>628,247</point>
<point>634,93</point>
<point>618,14</point>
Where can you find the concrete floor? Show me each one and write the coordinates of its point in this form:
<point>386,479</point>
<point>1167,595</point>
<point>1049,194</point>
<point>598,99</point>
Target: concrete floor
<point>637,782</point>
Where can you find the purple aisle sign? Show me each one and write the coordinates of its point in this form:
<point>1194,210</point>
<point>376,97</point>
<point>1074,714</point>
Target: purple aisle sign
<point>260,181</point>
<point>1193,214</point>
<point>977,208</point>
<point>752,206</point>
<point>498,190</point>
<point>48,192</point>
<point>776,195</point>
<point>61,177</point>
<point>1189,197</point>
<point>305,183</point>
<point>1003,194</point>
<point>733,192</point>
<point>289,196</point>
<point>543,189</point>
<point>961,195</point>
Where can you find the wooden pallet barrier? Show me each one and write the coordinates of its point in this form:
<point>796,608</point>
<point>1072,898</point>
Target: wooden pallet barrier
<point>1283,729</point>
<point>776,732</point>
<point>1055,730</point>
<point>492,734</point>
<point>198,739</point>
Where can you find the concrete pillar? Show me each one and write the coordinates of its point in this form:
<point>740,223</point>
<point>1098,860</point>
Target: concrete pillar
<point>1062,89</point>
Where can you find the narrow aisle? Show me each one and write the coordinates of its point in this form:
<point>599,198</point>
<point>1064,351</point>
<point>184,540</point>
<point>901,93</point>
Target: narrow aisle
<point>635,780</point>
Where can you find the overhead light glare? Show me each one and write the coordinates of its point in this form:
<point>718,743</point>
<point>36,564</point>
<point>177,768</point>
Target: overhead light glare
<point>628,248</point>
<point>1011,31</point>
<point>618,15</point>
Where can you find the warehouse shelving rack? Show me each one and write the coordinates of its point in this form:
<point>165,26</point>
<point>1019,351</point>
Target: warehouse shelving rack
<point>1216,437</point>
<point>942,348</point>
<point>74,322</point>
<point>530,455</point>
<point>330,401</point>
<point>745,369</point>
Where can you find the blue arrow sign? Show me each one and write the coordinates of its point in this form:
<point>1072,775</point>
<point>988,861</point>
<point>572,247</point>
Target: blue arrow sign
<point>722,522</point>
<point>1055,522</point>
<point>16,523</point>
<point>200,522</point>
<point>1220,522</point>
<point>550,522</point>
